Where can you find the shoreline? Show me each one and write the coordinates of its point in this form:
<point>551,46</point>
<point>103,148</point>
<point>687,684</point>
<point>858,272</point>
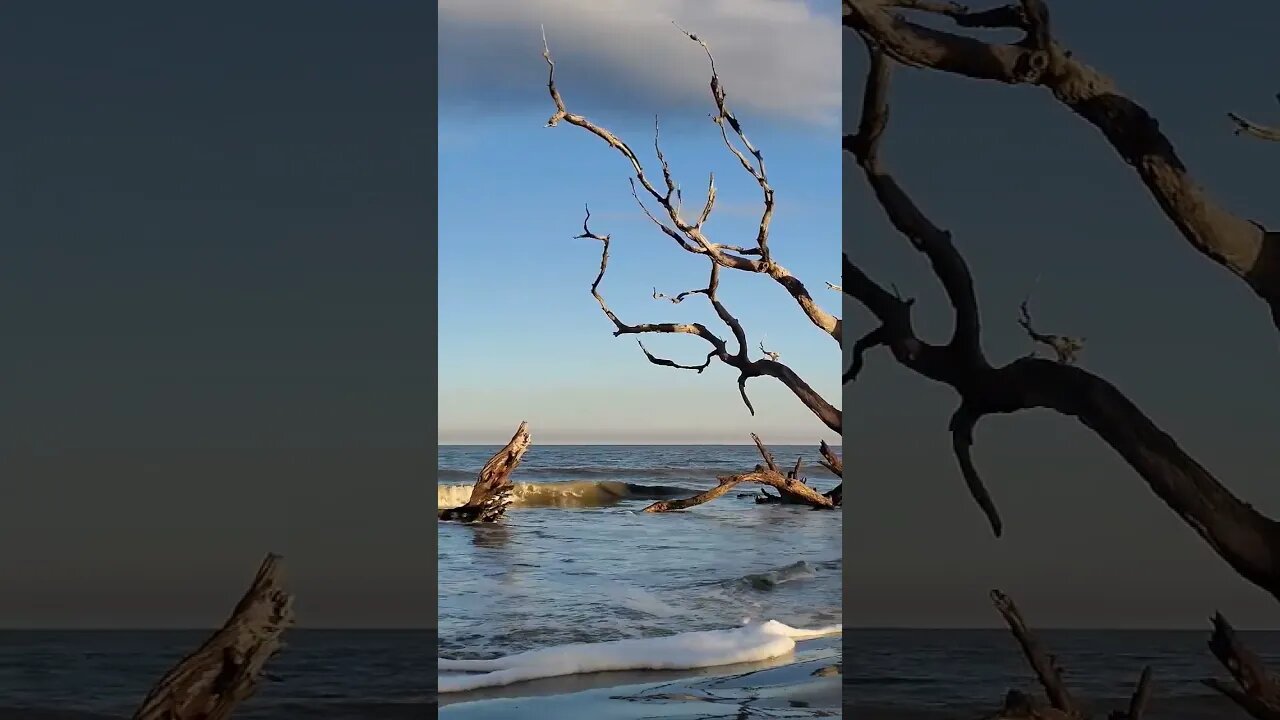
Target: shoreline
<point>796,683</point>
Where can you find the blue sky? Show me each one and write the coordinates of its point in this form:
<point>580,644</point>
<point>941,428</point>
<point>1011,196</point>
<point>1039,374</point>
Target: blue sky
<point>520,335</point>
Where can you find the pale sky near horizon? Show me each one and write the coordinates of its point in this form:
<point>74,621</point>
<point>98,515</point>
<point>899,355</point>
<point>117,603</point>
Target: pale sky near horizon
<point>520,336</point>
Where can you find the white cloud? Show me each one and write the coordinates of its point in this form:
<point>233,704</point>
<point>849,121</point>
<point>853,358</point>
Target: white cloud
<point>775,57</point>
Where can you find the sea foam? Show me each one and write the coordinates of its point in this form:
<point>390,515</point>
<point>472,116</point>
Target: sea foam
<point>752,642</point>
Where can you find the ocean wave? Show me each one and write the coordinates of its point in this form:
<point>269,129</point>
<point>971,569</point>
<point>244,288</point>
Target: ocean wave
<point>582,493</point>
<point>752,642</point>
<point>605,472</point>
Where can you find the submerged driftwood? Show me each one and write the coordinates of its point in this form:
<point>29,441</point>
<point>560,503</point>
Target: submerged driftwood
<point>209,683</point>
<point>492,492</point>
<point>791,488</point>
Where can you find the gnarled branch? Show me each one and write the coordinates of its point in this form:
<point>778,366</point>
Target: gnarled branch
<point>692,237</point>
<point>791,488</point>
<point>1246,539</point>
<point>1235,242</point>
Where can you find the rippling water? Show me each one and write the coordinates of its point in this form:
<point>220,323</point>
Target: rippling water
<point>330,674</point>
<point>594,568</point>
<point>964,674</point>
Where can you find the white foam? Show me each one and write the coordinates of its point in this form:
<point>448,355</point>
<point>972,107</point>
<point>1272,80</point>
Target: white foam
<point>750,643</point>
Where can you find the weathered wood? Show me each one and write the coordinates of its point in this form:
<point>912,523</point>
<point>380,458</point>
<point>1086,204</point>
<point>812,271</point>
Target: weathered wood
<point>1248,540</point>
<point>1138,702</point>
<point>209,683</point>
<point>491,494</point>
<point>1231,240</point>
<point>835,464</point>
<point>792,489</point>
<point>1041,662</point>
<point>1258,692</point>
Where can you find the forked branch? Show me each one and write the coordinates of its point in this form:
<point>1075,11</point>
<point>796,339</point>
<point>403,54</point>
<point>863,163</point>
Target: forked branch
<point>791,487</point>
<point>1235,242</point>
<point>691,236</point>
<point>1246,539</point>
<point>737,357</point>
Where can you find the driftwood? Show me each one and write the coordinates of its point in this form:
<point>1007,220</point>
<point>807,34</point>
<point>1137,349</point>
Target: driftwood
<point>1259,691</point>
<point>689,234</point>
<point>791,488</point>
<point>224,671</point>
<point>1061,704</point>
<point>492,492</point>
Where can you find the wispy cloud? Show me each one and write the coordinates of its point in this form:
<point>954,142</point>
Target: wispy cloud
<point>776,57</point>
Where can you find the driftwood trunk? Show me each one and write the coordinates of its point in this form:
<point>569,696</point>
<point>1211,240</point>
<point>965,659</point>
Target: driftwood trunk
<point>1061,706</point>
<point>791,489</point>
<point>492,492</point>
<point>209,683</point>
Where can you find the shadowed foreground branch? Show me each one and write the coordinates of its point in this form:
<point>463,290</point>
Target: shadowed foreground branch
<point>209,683</point>
<point>492,492</point>
<point>1235,242</point>
<point>1248,540</point>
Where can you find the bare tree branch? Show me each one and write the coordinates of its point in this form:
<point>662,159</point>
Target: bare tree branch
<point>791,488</point>
<point>1246,539</point>
<point>1066,349</point>
<point>1245,127</point>
<point>1258,692</point>
<point>690,236</point>
<point>738,359</point>
<point>1237,243</point>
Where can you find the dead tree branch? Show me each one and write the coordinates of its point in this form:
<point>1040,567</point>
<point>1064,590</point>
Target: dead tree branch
<point>1245,538</point>
<point>1243,247</point>
<point>1066,349</point>
<point>691,236</point>
<point>737,358</point>
<point>1259,691</point>
<point>209,683</point>
<point>791,487</point>
<point>492,492</point>
<point>1245,127</point>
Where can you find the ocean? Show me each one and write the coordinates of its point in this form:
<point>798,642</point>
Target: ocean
<point>964,674</point>
<point>373,675</point>
<point>328,674</point>
<point>575,561</point>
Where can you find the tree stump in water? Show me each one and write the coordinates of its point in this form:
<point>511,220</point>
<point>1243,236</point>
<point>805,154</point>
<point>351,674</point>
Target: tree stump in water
<point>209,683</point>
<point>491,494</point>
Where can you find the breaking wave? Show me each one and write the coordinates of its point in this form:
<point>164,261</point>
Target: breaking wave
<point>605,473</point>
<point>753,642</point>
<point>582,493</point>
